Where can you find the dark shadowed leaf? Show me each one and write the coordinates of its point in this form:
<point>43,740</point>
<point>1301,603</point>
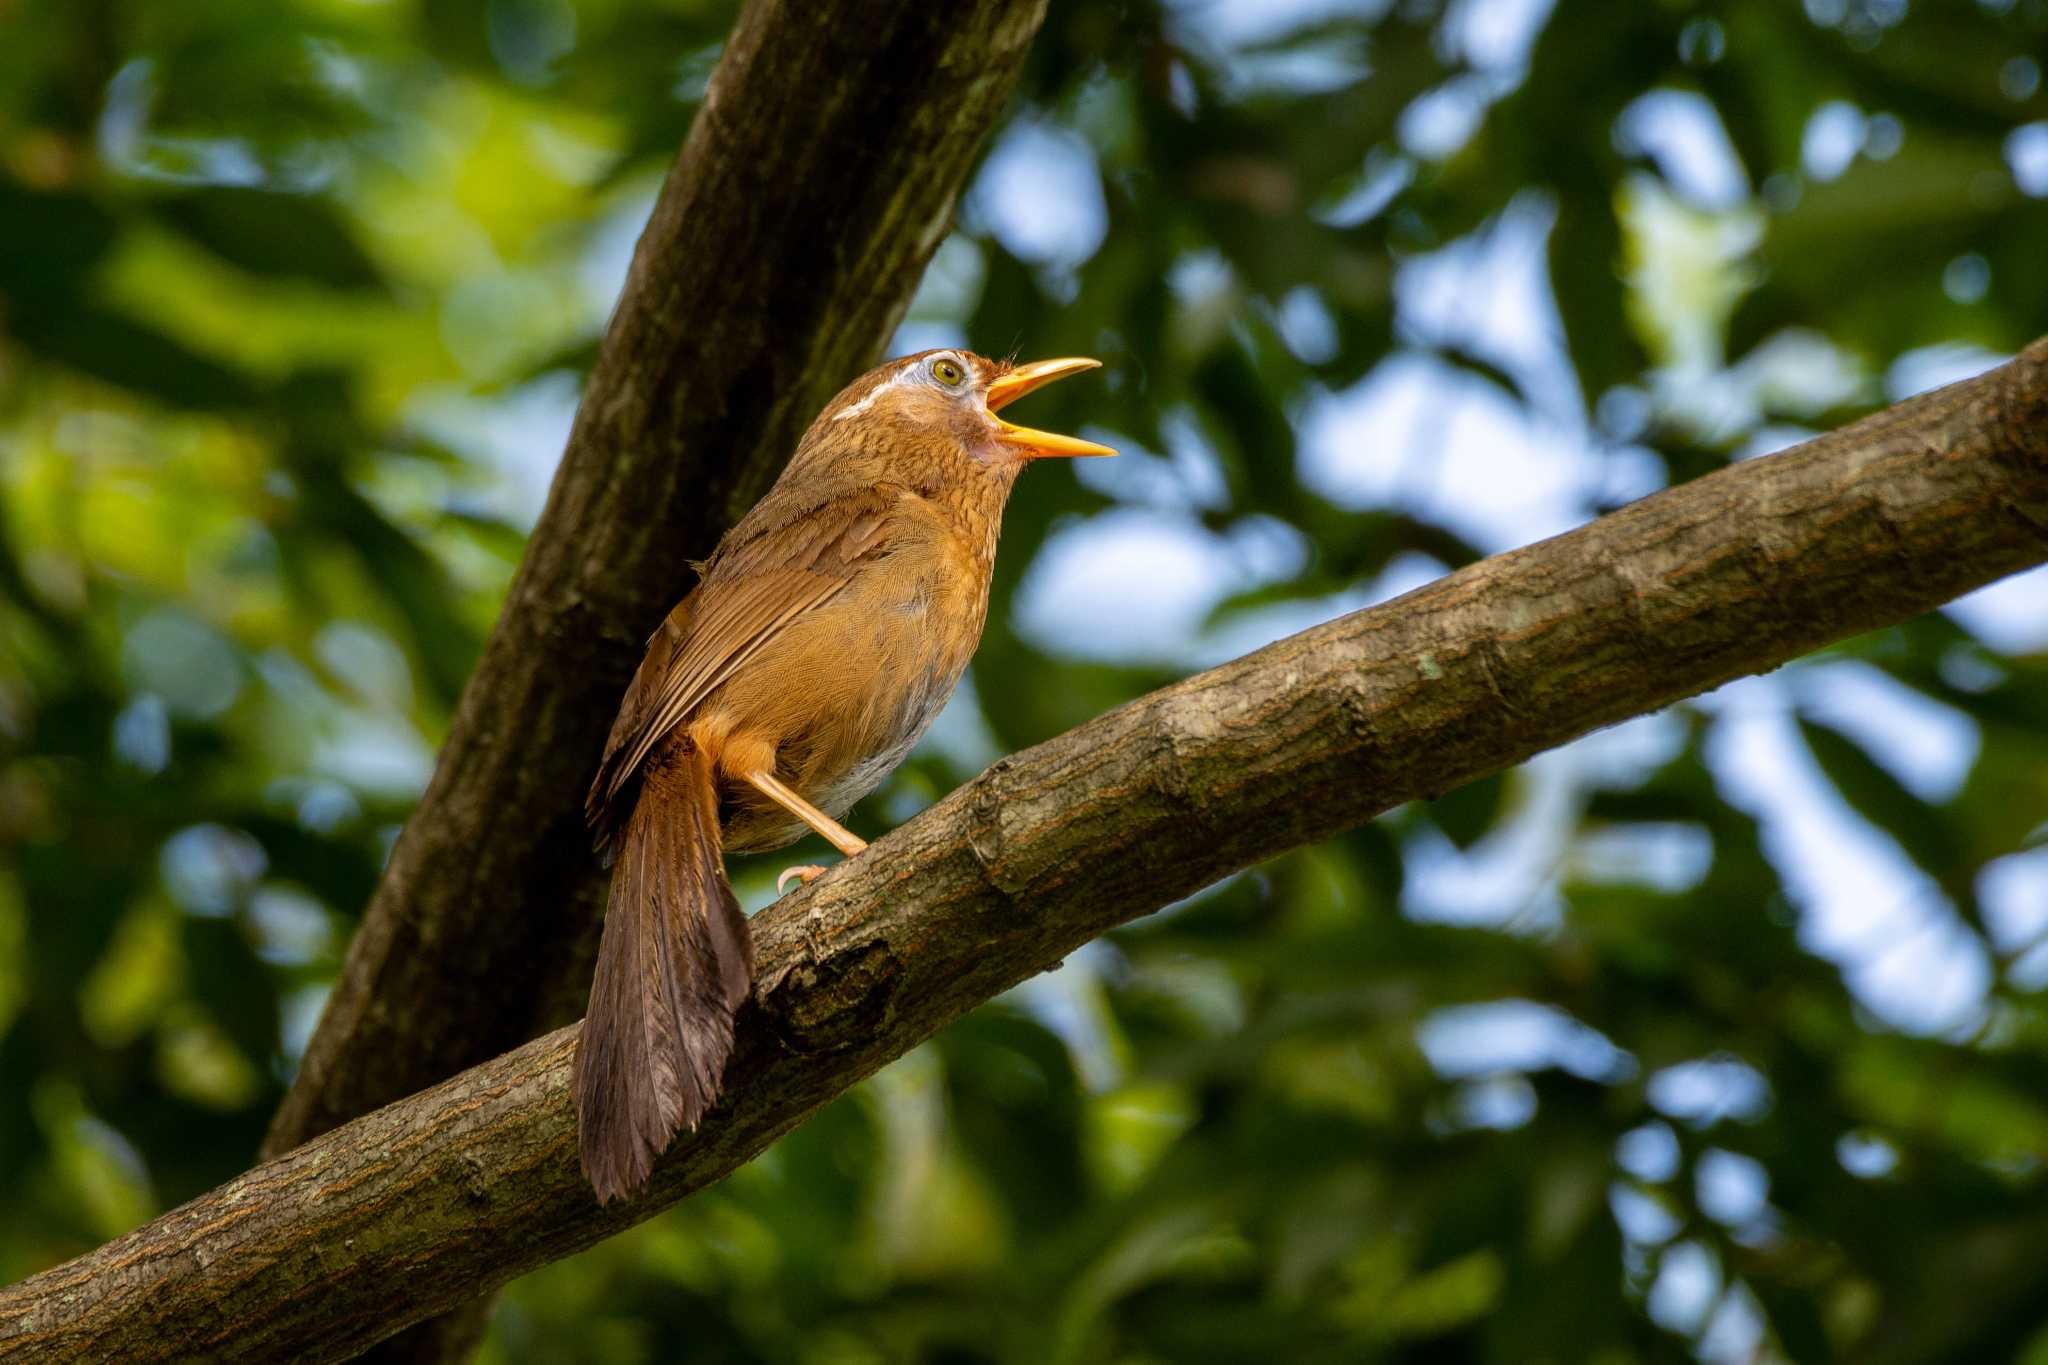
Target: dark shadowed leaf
<point>287,236</point>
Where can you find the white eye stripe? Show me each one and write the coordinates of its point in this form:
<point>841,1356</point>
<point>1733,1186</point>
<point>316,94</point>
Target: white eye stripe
<point>902,376</point>
<point>864,404</point>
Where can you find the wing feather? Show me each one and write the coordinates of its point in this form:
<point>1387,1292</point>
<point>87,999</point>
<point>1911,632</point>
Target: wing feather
<point>779,563</point>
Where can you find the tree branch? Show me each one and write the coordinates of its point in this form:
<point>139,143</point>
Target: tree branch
<point>418,1206</point>
<point>816,181</point>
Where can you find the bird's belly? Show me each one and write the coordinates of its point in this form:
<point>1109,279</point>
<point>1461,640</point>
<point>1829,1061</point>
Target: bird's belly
<point>916,711</point>
<point>860,686</point>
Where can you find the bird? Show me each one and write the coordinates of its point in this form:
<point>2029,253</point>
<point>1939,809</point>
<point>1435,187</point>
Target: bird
<point>823,636</point>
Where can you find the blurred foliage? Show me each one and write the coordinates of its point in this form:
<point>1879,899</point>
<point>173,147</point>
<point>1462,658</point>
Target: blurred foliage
<point>1719,1036</point>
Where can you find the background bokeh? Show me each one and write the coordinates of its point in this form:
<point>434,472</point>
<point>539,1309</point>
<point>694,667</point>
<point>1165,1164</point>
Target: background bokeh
<point>1719,1035</point>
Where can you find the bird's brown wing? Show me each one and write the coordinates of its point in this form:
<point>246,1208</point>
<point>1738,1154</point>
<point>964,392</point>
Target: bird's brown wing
<point>754,586</point>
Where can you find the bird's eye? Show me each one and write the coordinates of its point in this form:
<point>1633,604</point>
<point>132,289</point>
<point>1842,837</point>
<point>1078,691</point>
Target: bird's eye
<point>948,372</point>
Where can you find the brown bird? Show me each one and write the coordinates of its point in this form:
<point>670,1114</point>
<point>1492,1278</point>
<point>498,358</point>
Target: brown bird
<point>824,635</point>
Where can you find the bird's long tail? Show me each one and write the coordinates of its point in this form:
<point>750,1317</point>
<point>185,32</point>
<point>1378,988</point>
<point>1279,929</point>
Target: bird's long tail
<point>676,962</point>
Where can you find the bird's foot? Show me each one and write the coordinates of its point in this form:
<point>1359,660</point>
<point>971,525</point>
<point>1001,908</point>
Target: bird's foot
<point>803,872</point>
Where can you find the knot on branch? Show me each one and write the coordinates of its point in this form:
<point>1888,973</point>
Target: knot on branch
<point>985,822</point>
<point>835,1003</point>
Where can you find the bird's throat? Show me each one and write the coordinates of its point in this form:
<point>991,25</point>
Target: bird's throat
<point>973,507</point>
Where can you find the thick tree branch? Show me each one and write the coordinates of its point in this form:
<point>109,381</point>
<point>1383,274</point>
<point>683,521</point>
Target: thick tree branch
<point>422,1204</point>
<point>816,181</point>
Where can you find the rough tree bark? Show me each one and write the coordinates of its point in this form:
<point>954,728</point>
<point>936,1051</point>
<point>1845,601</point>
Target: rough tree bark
<point>423,1204</point>
<point>815,183</point>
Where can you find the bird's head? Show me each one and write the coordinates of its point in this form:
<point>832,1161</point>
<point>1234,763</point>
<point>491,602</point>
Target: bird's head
<point>941,405</point>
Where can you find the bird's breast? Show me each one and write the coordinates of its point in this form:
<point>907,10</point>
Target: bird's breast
<point>920,640</point>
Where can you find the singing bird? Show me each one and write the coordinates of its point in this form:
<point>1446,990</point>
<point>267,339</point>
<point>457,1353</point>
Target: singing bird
<point>824,635</point>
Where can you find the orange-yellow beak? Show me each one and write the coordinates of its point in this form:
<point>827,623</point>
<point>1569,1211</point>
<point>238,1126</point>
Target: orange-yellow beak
<point>1022,380</point>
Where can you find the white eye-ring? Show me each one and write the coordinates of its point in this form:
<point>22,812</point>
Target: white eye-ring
<point>949,372</point>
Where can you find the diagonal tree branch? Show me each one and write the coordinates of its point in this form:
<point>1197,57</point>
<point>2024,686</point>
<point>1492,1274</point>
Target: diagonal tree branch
<point>418,1206</point>
<point>816,181</point>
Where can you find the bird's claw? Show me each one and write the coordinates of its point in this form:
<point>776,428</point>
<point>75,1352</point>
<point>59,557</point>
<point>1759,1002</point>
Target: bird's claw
<point>803,872</point>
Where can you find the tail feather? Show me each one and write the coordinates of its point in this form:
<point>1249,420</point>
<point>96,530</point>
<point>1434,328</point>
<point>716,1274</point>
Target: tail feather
<point>675,963</point>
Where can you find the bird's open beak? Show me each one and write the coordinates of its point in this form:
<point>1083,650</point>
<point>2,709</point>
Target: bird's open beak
<point>1022,380</point>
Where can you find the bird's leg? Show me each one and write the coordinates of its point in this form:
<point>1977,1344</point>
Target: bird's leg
<point>836,834</point>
